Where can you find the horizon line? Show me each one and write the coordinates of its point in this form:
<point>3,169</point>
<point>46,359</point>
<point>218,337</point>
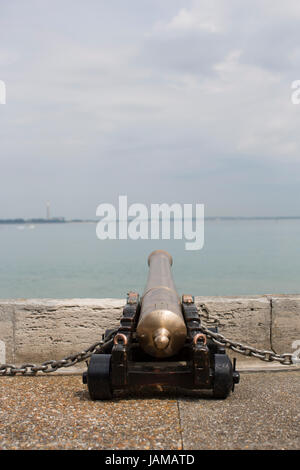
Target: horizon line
<point>18,220</point>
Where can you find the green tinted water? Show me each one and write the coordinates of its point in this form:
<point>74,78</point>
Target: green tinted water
<point>67,260</point>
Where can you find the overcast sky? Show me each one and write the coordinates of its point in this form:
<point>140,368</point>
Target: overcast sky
<point>165,101</point>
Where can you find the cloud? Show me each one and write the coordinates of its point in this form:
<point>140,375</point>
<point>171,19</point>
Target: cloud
<point>187,20</point>
<point>118,95</point>
<point>201,16</point>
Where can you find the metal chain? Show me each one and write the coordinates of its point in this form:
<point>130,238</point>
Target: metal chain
<point>220,340</point>
<point>264,355</point>
<point>51,366</point>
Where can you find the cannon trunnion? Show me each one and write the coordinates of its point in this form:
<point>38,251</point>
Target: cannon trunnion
<point>159,344</point>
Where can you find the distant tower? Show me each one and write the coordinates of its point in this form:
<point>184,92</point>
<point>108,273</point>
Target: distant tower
<point>48,210</point>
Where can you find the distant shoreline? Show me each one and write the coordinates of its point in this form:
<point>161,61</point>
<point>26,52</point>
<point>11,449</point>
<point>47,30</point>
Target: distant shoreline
<point>43,221</point>
<point>62,220</point>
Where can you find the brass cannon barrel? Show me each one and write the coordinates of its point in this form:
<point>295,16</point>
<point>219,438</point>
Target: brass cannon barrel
<point>161,329</point>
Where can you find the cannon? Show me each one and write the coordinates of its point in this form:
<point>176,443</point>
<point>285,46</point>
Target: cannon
<point>159,344</point>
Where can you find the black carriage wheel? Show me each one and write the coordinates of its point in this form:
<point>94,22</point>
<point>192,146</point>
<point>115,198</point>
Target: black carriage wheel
<point>222,376</point>
<point>98,377</point>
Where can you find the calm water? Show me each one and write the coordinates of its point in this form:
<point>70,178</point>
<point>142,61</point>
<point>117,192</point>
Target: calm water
<point>239,257</point>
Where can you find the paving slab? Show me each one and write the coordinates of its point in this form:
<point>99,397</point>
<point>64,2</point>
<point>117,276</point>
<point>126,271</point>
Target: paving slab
<point>262,413</point>
<point>55,412</point>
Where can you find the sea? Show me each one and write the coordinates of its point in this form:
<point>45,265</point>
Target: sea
<point>67,260</point>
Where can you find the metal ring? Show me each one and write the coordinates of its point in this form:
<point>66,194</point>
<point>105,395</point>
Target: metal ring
<point>120,336</point>
<point>198,336</point>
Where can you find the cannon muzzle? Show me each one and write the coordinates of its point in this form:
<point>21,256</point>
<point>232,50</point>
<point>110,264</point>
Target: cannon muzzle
<point>161,328</point>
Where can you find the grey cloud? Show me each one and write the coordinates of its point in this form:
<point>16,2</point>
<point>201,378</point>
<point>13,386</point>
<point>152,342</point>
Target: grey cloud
<point>195,53</point>
<point>266,32</point>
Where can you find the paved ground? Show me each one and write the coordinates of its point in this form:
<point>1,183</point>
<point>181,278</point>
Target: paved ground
<point>54,412</point>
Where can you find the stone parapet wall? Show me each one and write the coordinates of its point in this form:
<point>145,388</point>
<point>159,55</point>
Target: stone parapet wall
<point>35,330</point>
